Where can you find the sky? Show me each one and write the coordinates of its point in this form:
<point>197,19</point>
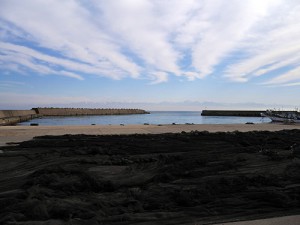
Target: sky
<point>154,54</point>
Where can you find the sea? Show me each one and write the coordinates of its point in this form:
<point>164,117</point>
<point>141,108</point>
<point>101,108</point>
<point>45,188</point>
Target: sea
<point>155,117</point>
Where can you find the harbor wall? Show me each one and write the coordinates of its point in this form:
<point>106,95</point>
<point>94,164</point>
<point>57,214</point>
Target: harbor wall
<point>11,117</point>
<point>244,113</point>
<point>85,111</point>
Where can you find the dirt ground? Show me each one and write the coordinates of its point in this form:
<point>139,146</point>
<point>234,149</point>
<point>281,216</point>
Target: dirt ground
<point>174,178</point>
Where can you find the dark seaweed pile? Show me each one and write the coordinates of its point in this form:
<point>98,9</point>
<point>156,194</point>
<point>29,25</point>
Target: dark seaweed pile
<point>184,178</point>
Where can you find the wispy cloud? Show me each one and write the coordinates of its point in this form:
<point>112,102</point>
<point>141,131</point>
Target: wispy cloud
<point>11,84</point>
<point>287,78</point>
<point>159,77</point>
<point>153,39</point>
<point>7,98</point>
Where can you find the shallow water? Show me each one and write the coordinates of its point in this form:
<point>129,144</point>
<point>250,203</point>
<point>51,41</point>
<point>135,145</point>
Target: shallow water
<point>155,117</point>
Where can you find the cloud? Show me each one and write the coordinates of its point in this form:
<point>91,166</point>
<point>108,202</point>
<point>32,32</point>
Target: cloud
<point>226,25</point>
<point>139,25</point>
<point>264,62</point>
<point>273,49</point>
<point>286,78</point>
<point>159,77</point>
<point>11,84</point>
<point>28,60</point>
<point>68,30</point>
<point>243,40</point>
<point>291,84</point>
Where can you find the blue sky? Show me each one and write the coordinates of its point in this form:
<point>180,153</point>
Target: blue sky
<point>157,54</point>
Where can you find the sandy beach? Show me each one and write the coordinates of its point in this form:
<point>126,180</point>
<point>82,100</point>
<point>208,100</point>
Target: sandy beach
<point>84,175</point>
<point>24,133</point>
<point>284,220</point>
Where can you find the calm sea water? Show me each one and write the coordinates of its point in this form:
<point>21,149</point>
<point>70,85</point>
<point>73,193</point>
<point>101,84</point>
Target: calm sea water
<point>155,117</point>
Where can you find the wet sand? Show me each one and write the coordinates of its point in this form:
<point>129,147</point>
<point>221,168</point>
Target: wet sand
<point>86,177</point>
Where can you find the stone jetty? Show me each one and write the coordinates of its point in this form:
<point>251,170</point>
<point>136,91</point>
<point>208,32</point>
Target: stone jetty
<point>244,113</point>
<point>86,111</point>
<point>12,117</point>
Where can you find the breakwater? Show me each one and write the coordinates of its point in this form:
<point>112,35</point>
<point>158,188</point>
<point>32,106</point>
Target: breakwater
<point>245,113</point>
<point>86,111</point>
<point>12,117</point>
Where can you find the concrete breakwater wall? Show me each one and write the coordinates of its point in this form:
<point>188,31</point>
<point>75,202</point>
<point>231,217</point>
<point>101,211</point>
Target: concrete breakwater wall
<point>11,117</point>
<point>16,113</point>
<point>245,113</point>
<point>85,111</point>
